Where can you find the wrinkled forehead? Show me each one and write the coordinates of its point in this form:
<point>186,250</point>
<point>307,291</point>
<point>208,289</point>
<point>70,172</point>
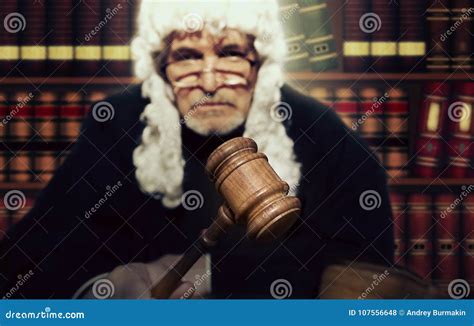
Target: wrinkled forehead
<point>208,40</point>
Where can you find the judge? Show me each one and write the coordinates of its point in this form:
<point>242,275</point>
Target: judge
<point>133,193</point>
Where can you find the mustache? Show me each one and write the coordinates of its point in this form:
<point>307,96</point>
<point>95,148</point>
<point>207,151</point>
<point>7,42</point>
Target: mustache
<point>211,98</point>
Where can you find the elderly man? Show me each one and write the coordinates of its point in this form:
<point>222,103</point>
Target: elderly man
<point>133,192</point>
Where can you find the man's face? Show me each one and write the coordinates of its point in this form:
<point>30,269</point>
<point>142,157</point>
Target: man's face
<point>213,77</point>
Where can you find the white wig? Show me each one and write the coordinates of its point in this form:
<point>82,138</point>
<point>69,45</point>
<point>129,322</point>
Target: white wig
<point>158,159</point>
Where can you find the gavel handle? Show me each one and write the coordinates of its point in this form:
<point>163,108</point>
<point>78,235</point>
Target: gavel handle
<point>166,286</point>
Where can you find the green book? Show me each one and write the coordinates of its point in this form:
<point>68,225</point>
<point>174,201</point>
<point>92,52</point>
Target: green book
<point>319,40</point>
<point>298,55</point>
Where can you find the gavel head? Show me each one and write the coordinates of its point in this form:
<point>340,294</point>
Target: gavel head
<point>253,191</point>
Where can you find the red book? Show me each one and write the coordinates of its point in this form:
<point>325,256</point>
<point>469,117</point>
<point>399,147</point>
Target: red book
<point>87,38</point>
<point>461,126</point>
<point>399,228</point>
<point>356,45</point>
<point>60,38</point>
<point>383,47</point>
<point>33,51</point>
<point>461,46</point>
<point>22,117</point>
<point>438,19</point>
<point>419,258</point>
<point>71,112</point>
<point>371,112</point>
<point>46,113</point>
<point>468,239</point>
<point>446,245</point>
<point>412,44</point>
<point>13,23</point>
<point>431,124</point>
<point>116,38</point>
<point>347,107</point>
<point>396,113</point>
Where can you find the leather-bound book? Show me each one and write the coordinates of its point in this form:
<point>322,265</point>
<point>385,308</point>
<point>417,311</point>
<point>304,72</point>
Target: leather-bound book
<point>44,165</point>
<point>371,113</point>
<point>116,38</point>
<point>412,43</point>
<point>356,44</point>
<point>60,38</point>
<point>396,161</point>
<point>22,116</point>
<point>430,126</point>
<point>12,25</point>
<point>461,131</point>
<point>323,95</point>
<point>383,46</point>
<point>71,112</point>
<point>46,113</point>
<point>446,240</point>
<point>438,17</point>
<point>399,227</point>
<point>87,38</point>
<point>419,258</point>
<point>468,239</point>
<point>20,165</point>
<point>297,53</point>
<point>396,109</point>
<point>319,38</point>
<point>461,46</point>
<point>347,107</point>
<point>33,51</point>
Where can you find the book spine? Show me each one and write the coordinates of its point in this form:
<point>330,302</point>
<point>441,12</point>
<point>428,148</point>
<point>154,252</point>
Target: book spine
<point>412,45</point>
<point>297,58</point>
<point>356,31</point>
<point>319,39</point>
<point>13,23</point>
<point>397,111</point>
<point>22,117</point>
<point>396,161</point>
<point>371,113</point>
<point>461,130</point>
<point>44,165</point>
<point>447,259</point>
<point>399,228</point>
<point>461,45</point>
<point>431,124</point>
<point>71,112</point>
<point>60,38</point>
<point>323,95</point>
<point>20,167</point>
<point>419,258</point>
<point>45,121</point>
<point>116,38</point>
<point>346,106</point>
<point>87,38</point>
<point>33,50</point>
<point>383,46</point>
<point>438,17</point>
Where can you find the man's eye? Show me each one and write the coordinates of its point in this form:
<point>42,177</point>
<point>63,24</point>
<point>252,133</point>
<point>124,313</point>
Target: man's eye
<point>232,53</point>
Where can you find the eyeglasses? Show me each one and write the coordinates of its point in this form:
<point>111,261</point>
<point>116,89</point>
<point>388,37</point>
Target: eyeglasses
<point>230,71</point>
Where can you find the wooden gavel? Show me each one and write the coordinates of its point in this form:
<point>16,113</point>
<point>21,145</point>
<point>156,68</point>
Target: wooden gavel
<point>254,196</point>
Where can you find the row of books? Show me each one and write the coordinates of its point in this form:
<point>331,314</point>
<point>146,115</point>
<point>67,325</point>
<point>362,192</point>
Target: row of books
<point>445,131</point>
<point>45,116</point>
<point>66,37</point>
<point>407,35</point>
<point>434,234</point>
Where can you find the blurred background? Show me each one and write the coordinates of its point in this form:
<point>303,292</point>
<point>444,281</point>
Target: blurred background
<point>399,73</point>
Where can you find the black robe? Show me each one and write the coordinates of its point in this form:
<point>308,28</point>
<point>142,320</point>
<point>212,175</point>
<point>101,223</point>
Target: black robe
<point>64,243</point>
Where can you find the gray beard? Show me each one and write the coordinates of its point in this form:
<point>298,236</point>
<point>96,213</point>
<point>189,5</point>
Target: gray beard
<point>230,125</point>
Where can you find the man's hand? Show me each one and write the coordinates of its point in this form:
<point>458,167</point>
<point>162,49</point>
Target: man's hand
<point>135,281</point>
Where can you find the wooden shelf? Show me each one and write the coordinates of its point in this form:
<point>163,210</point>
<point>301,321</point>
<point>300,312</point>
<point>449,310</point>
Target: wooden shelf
<point>303,76</point>
<point>401,182</point>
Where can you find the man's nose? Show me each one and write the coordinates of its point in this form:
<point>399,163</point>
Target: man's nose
<point>208,76</point>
